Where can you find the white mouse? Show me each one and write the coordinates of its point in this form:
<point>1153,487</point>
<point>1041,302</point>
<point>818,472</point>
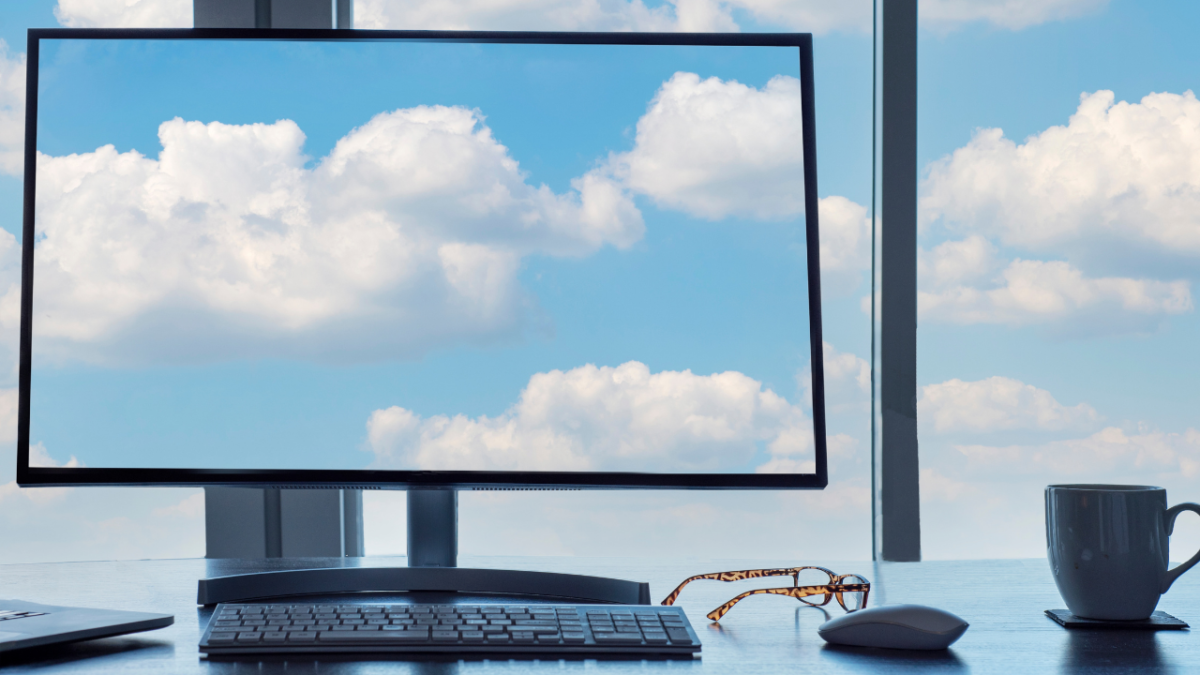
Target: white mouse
<point>895,627</point>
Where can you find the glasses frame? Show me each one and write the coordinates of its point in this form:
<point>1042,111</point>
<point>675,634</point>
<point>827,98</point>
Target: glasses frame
<point>834,589</point>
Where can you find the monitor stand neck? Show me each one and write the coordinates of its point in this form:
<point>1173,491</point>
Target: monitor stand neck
<point>432,566</point>
<point>433,527</point>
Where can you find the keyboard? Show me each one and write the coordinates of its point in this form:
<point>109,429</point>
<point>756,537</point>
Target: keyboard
<point>450,629</point>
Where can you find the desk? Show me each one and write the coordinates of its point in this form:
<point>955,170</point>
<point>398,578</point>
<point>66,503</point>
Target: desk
<point>1003,600</point>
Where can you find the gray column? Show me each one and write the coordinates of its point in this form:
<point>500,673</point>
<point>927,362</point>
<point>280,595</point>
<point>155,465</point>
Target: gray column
<point>273,13</point>
<point>272,523</point>
<point>899,509</point>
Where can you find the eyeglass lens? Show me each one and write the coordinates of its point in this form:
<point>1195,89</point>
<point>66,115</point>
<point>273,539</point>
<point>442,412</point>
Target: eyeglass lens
<point>853,600</point>
<point>813,577</point>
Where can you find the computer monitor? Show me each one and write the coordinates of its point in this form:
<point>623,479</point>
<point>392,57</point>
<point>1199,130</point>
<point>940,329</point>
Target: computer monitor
<point>393,259</point>
<point>418,259</point>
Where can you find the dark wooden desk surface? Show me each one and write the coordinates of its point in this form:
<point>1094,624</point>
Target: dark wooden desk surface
<point>1002,600</point>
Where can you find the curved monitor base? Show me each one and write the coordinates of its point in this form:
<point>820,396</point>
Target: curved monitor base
<point>272,585</point>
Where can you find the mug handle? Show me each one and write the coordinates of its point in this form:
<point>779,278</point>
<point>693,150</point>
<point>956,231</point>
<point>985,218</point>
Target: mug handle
<point>1170,516</point>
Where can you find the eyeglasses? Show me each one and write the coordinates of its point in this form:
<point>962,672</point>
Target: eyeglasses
<point>851,590</point>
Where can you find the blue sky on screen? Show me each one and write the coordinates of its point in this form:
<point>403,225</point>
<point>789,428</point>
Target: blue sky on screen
<point>1058,255</point>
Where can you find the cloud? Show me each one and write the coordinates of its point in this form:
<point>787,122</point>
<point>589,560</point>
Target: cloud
<point>998,404</point>
<point>9,399</point>
<point>605,419</point>
<point>124,13</point>
<point>227,245</point>
<point>38,456</point>
<point>715,148</point>
<point>1152,455</point>
<point>847,381</point>
<point>1039,292</point>
<point>946,15</point>
<point>1117,179</point>
<point>998,488</point>
<point>953,263</point>
<point>845,244</point>
<point>612,15</point>
<point>12,111</point>
<point>815,16</point>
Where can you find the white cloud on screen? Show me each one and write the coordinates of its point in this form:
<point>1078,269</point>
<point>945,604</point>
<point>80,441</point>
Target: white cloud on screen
<point>605,418</point>
<point>12,111</point>
<point>226,245</point>
<point>1011,14</point>
<point>998,404</point>
<point>124,13</point>
<point>1119,177</point>
<point>714,148</point>
<point>1030,292</point>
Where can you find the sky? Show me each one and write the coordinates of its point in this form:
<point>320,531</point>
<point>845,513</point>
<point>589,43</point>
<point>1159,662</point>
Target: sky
<point>1057,147</point>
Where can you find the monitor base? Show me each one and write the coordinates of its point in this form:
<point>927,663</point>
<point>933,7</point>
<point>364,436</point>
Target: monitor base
<point>289,583</point>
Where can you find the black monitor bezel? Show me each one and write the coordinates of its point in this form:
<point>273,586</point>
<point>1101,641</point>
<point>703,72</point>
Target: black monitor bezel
<point>28,476</point>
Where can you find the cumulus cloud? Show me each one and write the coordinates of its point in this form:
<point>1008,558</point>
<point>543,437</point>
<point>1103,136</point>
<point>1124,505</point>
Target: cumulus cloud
<point>1118,178</point>
<point>1010,14</point>
<point>38,456</point>
<point>998,404</point>
<point>845,244</point>
<point>1147,454</point>
<point>124,13</point>
<point>606,419</point>
<point>1039,292</point>
<point>715,148</point>
<point>847,381</point>
<point>12,111</point>
<point>612,15</point>
<point>407,235</point>
<point>813,16</point>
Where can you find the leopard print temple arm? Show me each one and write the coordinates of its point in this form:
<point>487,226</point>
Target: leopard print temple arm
<point>793,572</point>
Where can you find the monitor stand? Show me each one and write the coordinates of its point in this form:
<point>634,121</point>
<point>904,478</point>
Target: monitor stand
<point>433,566</point>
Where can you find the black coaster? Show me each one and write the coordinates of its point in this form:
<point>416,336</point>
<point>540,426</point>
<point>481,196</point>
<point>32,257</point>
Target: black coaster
<point>1157,621</point>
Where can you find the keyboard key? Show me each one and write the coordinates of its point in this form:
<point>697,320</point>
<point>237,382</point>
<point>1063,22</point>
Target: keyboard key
<point>548,638</point>
<point>249,637</point>
<point>655,638</point>
<point>445,635</point>
<point>275,637</point>
<point>679,636</point>
<point>474,636</point>
<point>493,638</point>
<point>618,638</point>
<point>573,638</point>
<point>376,637</point>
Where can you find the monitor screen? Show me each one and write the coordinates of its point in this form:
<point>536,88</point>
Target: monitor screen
<point>420,258</point>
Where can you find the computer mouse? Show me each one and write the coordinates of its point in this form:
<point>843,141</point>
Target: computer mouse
<point>895,627</point>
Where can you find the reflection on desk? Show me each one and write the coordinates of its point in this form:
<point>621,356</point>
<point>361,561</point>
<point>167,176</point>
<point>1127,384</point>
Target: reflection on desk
<point>1003,600</point>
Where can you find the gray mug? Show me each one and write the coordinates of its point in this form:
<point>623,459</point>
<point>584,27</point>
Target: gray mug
<point>1107,546</point>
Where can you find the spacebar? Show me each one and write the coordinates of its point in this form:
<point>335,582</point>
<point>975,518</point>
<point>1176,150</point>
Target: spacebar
<point>389,637</point>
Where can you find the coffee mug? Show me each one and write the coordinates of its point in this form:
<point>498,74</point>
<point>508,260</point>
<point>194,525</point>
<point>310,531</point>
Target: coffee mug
<point>1107,546</point>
